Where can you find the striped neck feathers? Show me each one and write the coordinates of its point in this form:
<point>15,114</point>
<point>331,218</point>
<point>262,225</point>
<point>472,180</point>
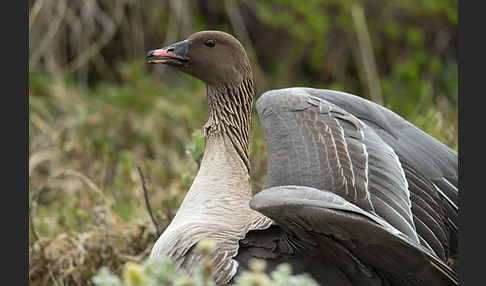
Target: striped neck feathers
<point>230,115</point>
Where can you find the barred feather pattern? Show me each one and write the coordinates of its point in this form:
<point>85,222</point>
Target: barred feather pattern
<point>312,142</point>
<point>230,113</point>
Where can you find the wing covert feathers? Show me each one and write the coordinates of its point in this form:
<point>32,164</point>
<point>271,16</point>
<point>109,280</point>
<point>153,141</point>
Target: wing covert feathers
<point>372,183</point>
<point>312,142</point>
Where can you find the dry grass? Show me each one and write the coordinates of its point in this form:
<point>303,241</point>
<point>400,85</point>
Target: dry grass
<point>87,208</point>
<point>72,258</point>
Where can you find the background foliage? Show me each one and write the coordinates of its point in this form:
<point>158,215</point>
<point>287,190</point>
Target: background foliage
<point>97,110</point>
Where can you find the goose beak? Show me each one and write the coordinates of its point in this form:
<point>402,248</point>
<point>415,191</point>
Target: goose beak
<point>174,55</point>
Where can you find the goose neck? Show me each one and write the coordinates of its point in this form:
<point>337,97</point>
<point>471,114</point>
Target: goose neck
<point>230,115</point>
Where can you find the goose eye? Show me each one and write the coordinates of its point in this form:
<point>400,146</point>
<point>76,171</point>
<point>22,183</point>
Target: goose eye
<point>210,43</point>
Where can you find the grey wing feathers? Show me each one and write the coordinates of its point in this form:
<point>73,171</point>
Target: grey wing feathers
<point>429,213</point>
<point>314,143</point>
<point>432,157</point>
<point>426,154</point>
<point>362,154</point>
<point>376,247</point>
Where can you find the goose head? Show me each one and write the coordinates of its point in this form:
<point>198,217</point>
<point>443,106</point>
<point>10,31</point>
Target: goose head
<point>212,56</point>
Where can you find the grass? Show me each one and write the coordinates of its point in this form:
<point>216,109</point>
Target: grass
<point>85,193</point>
<point>85,145</point>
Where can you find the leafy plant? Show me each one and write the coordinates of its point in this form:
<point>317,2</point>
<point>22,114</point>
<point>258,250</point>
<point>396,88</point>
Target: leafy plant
<point>163,272</point>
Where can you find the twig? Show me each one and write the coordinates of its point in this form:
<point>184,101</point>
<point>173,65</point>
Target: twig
<point>34,12</point>
<point>147,201</point>
<point>32,228</point>
<point>34,234</point>
<point>96,46</point>
<point>49,35</point>
<point>366,52</point>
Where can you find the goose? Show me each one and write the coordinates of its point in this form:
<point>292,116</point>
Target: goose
<point>354,194</point>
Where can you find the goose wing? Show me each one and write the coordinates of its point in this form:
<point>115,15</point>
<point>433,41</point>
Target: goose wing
<point>334,156</point>
<point>421,152</point>
<point>338,243</point>
<point>314,143</point>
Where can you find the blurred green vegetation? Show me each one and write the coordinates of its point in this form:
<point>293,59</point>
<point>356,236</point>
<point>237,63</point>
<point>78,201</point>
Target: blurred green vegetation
<point>97,110</point>
<point>414,50</point>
